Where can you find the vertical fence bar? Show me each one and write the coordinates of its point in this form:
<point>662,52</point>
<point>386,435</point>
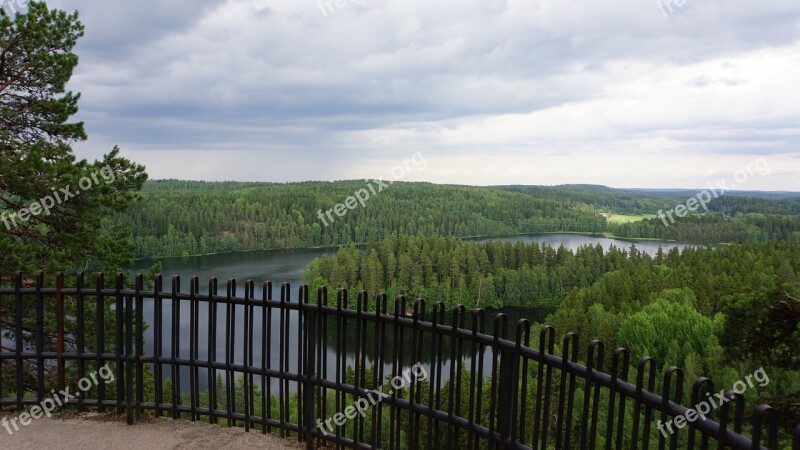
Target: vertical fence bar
<point>322,354</point>
<point>434,385</point>
<point>39,333</point>
<point>18,338</point>
<point>695,398</point>
<point>439,383</point>
<point>230,332</point>
<point>377,373</point>
<point>738,417</point>
<point>283,367</point>
<point>415,394</point>
<point>60,316</point>
<point>130,359</point>
<point>665,402</point>
<point>309,366</point>
<point>194,389</point>
<point>302,299</point>
<point>248,354</point>
<point>359,367</point>
<point>596,400</point>
<point>100,335</point>
<point>138,343</point>
<point>500,395</point>
<point>723,419</point>
<point>341,358</point>
<point>80,331</point>
<point>457,365</point>
<point>648,412</point>
<point>175,346</point>
<point>542,416</point>
<point>640,371</point>
<point>589,423</point>
<point>519,394</point>
<point>617,377</point>
<point>566,394</point>
<point>212,351</point>
<point>796,438</point>
<point>39,337</point>
<point>479,327</point>
<point>120,340</point>
<point>2,334</point>
<point>158,343</point>
<point>266,355</point>
<point>759,415</point>
<point>395,415</point>
<point>62,369</point>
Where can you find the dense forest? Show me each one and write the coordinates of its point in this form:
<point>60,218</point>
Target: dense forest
<point>181,218</point>
<point>724,311</point>
<point>712,229</point>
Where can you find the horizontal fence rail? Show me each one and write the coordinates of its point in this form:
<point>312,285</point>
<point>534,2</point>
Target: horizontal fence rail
<point>349,372</point>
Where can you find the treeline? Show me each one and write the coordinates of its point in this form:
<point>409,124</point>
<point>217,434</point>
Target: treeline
<point>177,218</point>
<point>723,311</point>
<point>181,218</point>
<point>490,275</point>
<point>711,228</point>
<point>604,198</point>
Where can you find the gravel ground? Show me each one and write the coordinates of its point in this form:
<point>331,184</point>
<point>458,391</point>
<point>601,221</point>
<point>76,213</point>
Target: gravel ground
<point>101,431</point>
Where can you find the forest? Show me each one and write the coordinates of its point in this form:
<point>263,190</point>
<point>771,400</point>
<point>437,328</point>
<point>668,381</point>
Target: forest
<point>183,218</point>
<point>724,311</point>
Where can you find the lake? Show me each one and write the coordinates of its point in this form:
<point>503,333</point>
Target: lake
<point>288,266</point>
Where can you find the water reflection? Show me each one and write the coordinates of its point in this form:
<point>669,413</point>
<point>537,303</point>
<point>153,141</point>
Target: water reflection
<point>288,266</point>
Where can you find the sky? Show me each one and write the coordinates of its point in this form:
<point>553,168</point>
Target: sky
<point>622,93</point>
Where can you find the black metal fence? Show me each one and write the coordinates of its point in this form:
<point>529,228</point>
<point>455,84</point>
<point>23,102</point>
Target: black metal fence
<point>325,371</point>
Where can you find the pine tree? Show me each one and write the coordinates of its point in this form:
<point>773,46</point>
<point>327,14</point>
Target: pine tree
<point>54,209</point>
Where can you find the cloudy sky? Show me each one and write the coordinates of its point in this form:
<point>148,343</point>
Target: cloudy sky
<point>624,93</point>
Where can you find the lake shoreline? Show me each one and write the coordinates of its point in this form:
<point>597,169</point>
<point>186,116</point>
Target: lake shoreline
<point>605,235</point>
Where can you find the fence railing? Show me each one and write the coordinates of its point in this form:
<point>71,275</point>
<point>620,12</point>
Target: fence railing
<point>325,371</point>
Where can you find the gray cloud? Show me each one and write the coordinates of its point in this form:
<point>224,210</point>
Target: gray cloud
<point>545,80</point>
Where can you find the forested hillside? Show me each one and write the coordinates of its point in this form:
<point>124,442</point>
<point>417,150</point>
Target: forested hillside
<point>714,228</point>
<point>724,311</point>
<point>180,218</point>
<point>176,218</point>
<point>489,275</point>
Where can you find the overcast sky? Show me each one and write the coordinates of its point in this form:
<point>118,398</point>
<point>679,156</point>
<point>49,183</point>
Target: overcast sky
<point>624,93</point>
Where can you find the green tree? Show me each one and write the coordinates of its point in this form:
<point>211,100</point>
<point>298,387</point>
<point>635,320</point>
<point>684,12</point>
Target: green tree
<point>49,222</point>
<point>663,326</point>
<point>57,212</point>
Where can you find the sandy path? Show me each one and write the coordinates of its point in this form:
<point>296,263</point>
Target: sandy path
<point>96,431</point>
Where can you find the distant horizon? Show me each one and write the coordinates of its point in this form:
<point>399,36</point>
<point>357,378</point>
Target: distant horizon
<point>738,191</point>
<point>623,94</point>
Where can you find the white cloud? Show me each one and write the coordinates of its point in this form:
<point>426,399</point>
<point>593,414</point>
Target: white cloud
<point>517,91</point>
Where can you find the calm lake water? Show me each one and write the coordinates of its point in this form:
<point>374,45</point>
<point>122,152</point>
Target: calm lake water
<point>288,266</point>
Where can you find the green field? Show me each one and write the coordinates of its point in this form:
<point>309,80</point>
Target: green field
<point>623,218</point>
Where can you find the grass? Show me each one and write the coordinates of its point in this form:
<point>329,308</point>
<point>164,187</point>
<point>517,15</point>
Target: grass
<point>622,218</point>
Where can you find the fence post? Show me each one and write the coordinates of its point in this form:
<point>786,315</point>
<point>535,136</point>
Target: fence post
<point>130,360</point>
<point>505,398</point>
<point>309,372</point>
<point>61,364</point>
<point>796,440</point>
